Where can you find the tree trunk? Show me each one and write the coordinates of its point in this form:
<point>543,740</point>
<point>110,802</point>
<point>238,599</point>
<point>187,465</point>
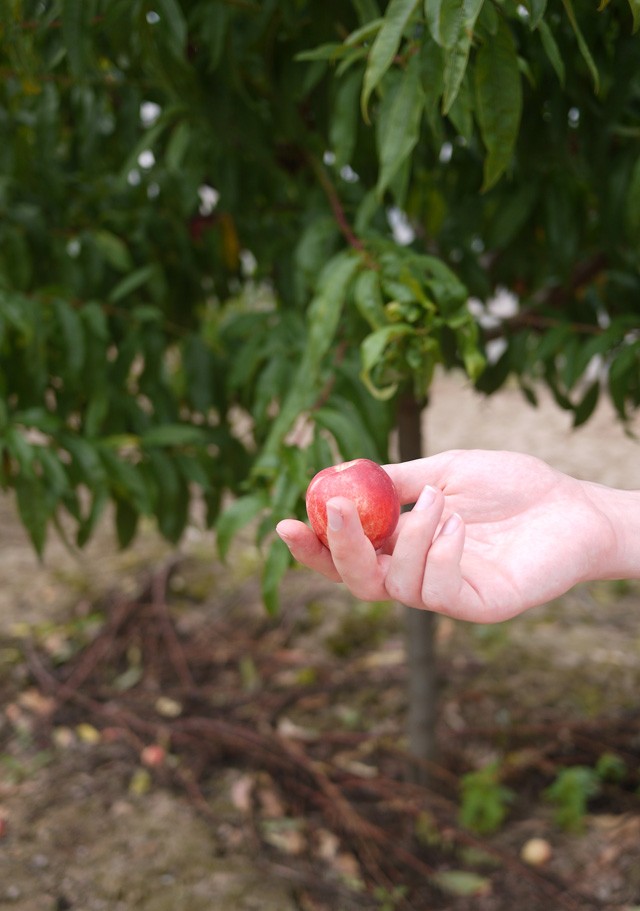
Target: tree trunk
<point>420,626</point>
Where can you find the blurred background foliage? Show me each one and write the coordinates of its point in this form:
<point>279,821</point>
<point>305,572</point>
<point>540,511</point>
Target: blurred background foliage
<point>235,234</point>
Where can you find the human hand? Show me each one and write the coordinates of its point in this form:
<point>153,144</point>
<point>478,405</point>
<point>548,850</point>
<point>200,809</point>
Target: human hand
<point>490,535</point>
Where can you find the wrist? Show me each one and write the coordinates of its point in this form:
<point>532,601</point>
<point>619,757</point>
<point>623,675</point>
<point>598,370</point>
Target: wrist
<point>616,543</point>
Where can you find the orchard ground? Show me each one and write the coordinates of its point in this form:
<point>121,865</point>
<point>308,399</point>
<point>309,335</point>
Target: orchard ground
<point>87,822</point>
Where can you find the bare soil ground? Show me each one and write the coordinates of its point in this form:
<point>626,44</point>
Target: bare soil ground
<point>164,744</point>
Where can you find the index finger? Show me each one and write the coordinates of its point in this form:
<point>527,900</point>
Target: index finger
<point>410,478</point>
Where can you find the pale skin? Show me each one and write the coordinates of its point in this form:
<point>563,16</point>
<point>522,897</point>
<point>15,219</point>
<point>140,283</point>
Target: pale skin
<point>491,534</point>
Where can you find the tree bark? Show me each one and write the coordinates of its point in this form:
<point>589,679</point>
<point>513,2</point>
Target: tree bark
<point>420,626</point>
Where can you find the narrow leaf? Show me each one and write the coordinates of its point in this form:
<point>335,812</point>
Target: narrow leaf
<point>72,332</point>
<point>633,203</point>
<point>344,123</point>
<point>174,435</point>
<point>33,510</point>
<point>462,883</point>
<point>277,562</point>
<point>76,15</point>
<point>332,51</point>
<point>537,9</point>
<point>323,316</point>
<point>635,12</point>
<point>126,522</point>
<point>499,101</point>
<point>398,125</point>
<point>582,44</point>
<point>349,431</point>
<point>114,250</point>
<point>587,405</point>
<point>235,517</point>
<point>173,24</point>
<point>385,47</point>
<point>452,23</point>
<point>552,50</point>
<point>447,19</point>
<point>368,298</point>
<point>132,282</point>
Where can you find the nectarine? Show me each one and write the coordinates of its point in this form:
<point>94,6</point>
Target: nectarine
<point>368,486</point>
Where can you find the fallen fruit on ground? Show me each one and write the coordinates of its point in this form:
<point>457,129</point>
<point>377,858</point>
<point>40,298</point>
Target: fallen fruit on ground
<point>368,486</point>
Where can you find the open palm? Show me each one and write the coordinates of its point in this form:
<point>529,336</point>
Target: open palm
<point>490,534</point>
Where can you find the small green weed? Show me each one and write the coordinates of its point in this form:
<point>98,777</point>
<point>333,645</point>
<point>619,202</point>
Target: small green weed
<point>484,800</point>
<point>570,794</point>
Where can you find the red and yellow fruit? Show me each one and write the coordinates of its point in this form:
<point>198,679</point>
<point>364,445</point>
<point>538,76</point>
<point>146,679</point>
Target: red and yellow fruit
<point>368,486</point>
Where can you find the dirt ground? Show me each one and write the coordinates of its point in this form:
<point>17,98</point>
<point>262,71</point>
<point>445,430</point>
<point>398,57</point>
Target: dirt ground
<point>112,797</point>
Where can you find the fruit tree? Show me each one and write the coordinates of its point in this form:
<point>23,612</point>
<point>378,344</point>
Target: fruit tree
<point>238,236</point>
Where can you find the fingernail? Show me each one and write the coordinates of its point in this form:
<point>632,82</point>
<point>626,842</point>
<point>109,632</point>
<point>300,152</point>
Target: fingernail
<point>334,518</point>
<point>282,534</point>
<point>426,498</point>
<point>452,523</point>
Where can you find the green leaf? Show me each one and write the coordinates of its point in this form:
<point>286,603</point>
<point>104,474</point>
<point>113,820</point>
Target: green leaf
<point>173,25</point>
<point>171,500</point>
<point>277,562</point>
<point>368,298</point>
<point>587,405</point>
<point>461,111</point>
<point>174,435</point>
<point>537,9</point>
<point>76,32</point>
<point>330,51</point>
<point>324,313</point>
<point>633,203</point>
<point>635,12</point>
<point>582,44</point>
<point>447,19</point>
<point>350,432</point>
<point>552,50</point>
<point>21,450</point>
<point>33,510</point>
<point>54,472</point>
<point>456,38</point>
<point>132,282</point>
<point>366,9</point>
<point>398,124</point>
<point>365,33</point>
<point>385,47</point>
<point>372,352</point>
<point>623,368</point>
<point>235,517</point>
<point>462,883</point>
<point>499,101</point>
<point>126,522</point>
<point>344,122</point>
<point>469,346</point>
<point>432,60</point>
<point>86,459</point>
<point>114,250</point>
<point>72,332</point>
<point>126,480</point>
